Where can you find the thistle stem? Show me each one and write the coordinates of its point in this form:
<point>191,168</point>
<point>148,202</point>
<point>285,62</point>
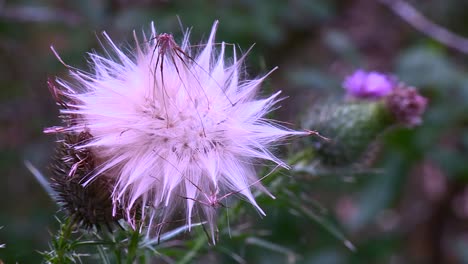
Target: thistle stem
<point>133,246</point>
<point>63,240</point>
<point>199,243</point>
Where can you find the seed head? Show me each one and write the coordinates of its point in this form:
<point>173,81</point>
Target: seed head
<point>173,128</point>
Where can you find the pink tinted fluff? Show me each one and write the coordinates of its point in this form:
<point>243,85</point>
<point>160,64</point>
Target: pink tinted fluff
<point>176,128</point>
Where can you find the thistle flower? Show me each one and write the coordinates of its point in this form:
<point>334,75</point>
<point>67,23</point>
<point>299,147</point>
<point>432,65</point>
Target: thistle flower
<point>368,85</point>
<point>173,128</point>
<point>353,126</point>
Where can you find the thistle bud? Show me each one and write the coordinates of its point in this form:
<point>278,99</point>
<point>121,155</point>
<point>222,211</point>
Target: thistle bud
<point>351,128</point>
<point>379,102</point>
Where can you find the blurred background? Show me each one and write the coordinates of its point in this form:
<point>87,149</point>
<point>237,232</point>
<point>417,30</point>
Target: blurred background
<point>412,209</point>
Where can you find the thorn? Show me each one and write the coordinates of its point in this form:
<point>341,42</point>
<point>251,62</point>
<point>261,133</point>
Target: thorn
<point>316,133</point>
<point>59,58</point>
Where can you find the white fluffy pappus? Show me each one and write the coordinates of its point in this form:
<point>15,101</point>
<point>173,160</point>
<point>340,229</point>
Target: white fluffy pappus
<point>175,129</point>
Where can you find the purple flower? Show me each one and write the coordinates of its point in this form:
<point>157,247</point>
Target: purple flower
<point>368,85</point>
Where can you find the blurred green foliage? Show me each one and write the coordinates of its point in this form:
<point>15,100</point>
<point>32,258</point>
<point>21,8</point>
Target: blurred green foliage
<point>412,209</point>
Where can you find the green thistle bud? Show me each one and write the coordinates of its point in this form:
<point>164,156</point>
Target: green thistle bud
<point>351,128</point>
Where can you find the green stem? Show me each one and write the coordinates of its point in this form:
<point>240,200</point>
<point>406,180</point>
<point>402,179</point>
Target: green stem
<point>62,244</point>
<point>118,256</point>
<point>199,243</point>
<point>133,246</point>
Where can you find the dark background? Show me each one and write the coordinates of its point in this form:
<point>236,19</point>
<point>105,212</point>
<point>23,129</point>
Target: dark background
<point>415,211</point>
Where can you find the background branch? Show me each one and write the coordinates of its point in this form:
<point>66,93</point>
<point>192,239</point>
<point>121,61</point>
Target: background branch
<point>421,23</point>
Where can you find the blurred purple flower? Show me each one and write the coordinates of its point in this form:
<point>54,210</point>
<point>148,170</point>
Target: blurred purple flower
<point>368,85</point>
